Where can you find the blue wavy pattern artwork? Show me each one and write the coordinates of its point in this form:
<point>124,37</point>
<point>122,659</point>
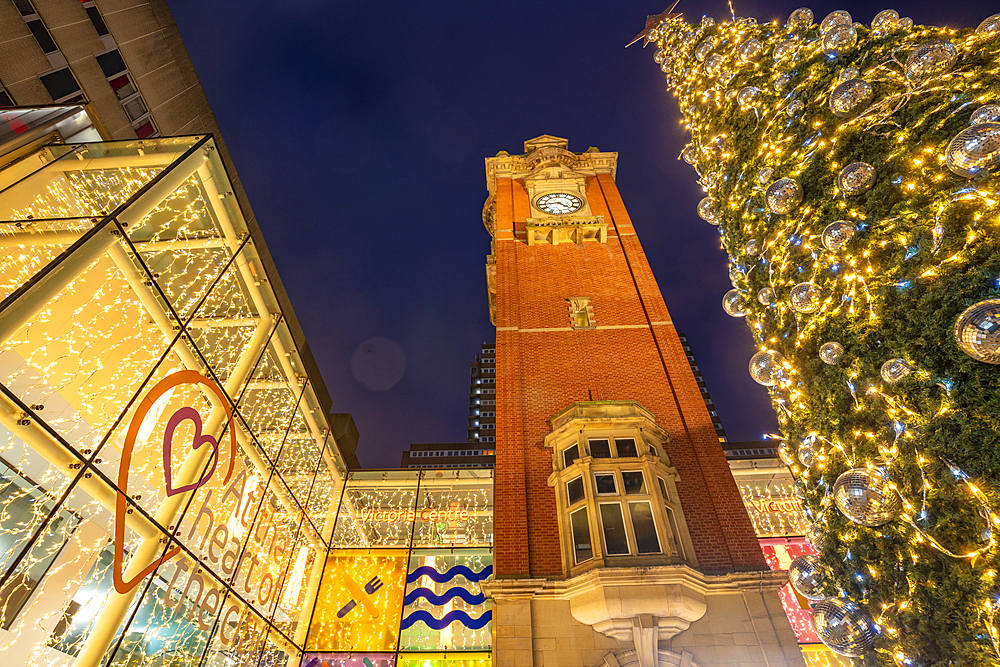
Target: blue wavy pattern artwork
<point>450,594</point>
<point>449,574</point>
<point>447,619</point>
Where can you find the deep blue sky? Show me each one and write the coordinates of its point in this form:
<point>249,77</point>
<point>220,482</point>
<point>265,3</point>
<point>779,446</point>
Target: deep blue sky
<point>360,128</point>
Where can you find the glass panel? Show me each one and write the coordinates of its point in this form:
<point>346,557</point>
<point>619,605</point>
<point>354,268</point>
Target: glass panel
<point>645,530</point>
<point>97,20</point>
<point>60,83</point>
<point>444,607</point>
<point>111,63</point>
<point>123,86</point>
<point>626,448</point>
<point>582,548</point>
<point>615,541</point>
<point>574,488</point>
<point>350,660</point>
<point>633,482</point>
<point>441,660</point>
<point>44,39</point>
<point>676,544</point>
<point>663,489</point>
<point>377,509</point>
<point>600,449</point>
<point>455,507</point>
<point>570,454</point>
<point>134,108</point>
<point>606,483</point>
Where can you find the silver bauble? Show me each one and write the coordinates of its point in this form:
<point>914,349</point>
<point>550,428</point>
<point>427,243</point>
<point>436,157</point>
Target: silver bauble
<point>785,454</point>
<point>851,98</point>
<point>806,297</point>
<point>735,275</point>
<point>764,175</point>
<point>726,75</point>
<point>767,367</point>
<point>837,234</point>
<point>794,108</point>
<point>816,537</point>
<point>800,18</point>
<point>702,50</point>
<point>895,371</point>
<point>905,23</point>
<point>781,82</point>
<point>839,39</point>
<point>831,353</point>
<point>844,627</point>
<point>856,178</point>
<point>847,74</point>
<point>806,455</point>
<point>734,303</point>
<point>783,196</point>
<point>885,22</point>
<point>864,496</point>
<point>766,296</point>
<point>751,248</point>
<point>930,59</point>
<point>750,51</point>
<point>835,19</point>
<point>989,113</point>
<point>747,97</point>
<point>975,150</point>
<point>977,331</point>
<point>707,21</point>
<point>660,56</point>
<point>708,211</point>
<point>807,574</point>
<point>708,180</point>
<point>989,27</point>
<point>689,154</point>
<point>713,64</point>
<point>783,50</point>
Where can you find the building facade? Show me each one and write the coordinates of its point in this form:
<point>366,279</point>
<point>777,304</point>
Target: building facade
<point>449,455</point>
<point>621,536</point>
<point>482,395</point>
<point>703,387</point>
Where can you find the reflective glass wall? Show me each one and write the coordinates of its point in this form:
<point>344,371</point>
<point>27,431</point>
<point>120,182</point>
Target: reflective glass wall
<point>169,479</point>
<point>402,581</point>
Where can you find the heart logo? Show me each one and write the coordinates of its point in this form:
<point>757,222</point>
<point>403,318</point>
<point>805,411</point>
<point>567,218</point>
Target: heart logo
<point>200,439</point>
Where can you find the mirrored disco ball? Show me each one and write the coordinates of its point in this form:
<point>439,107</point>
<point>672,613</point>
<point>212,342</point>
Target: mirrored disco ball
<point>831,353</point>
<point>851,98</point>
<point>895,370</point>
<point>800,18</point>
<point>707,21</point>
<point>747,97</point>
<point>783,50</point>
<point>856,178</point>
<point>783,196</point>
<point>865,497</point>
<point>837,234</point>
<point>794,108</point>
<point>689,154</point>
<point>735,275</point>
<point>977,331</point>
<point>807,574</point>
<point>806,455</point>
<point>930,59</point>
<point>839,39</point>
<point>844,627</point>
<point>806,297</point>
<point>785,454</point>
<point>781,82</point>
<point>766,296</point>
<point>734,303</point>
<point>764,175</point>
<point>834,19</point>
<point>702,50</point>
<point>766,367</point>
<point>974,150</point>
<point>989,113</point>
<point>751,248</point>
<point>847,74</point>
<point>885,22</point>
<point>815,536</point>
<point>708,211</point>
<point>989,27</point>
<point>708,180</point>
<point>905,23</point>
<point>713,64</point>
<point>750,51</point>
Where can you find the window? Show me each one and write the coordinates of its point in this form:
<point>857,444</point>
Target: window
<point>581,313</point>
<point>5,100</point>
<point>42,36</point>
<point>613,524</point>
<point>135,108</point>
<point>633,482</point>
<point>123,86</point>
<point>582,548</point>
<point>571,454</point>
<point>574,490</point>
<point>663,489</point>
<point>600,449</point>
<point>111,63</point>
<point>626,448</point>
<point>24,6</point>
<point>60,84</point>
<point>676,545</point>
<point>643,527</point>
<point>97,20</point>
<point>606,484</point>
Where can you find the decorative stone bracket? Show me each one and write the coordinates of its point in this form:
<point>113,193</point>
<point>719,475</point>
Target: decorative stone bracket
<point>553,231</point>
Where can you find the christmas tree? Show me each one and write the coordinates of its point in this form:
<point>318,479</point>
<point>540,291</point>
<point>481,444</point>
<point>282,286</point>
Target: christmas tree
<point>854,175</point>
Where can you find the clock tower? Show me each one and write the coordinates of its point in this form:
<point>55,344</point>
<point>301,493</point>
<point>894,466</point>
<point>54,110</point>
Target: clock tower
<point>620,533</point>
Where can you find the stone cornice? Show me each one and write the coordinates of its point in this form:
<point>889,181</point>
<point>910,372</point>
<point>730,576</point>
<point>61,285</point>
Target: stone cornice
<point>520,166</point>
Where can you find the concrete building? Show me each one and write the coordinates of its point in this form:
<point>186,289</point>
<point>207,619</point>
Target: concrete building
<point>482,395</point>
<point>449,455</point>
<point>712,411</point>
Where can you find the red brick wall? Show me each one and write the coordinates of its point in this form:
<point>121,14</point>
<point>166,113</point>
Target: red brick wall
<point>541,373</point>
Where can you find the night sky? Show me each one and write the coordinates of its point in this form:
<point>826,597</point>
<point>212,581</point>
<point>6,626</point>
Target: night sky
<point>359,130</point>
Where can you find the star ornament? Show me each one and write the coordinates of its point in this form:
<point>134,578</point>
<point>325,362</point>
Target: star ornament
<point>652,22</point>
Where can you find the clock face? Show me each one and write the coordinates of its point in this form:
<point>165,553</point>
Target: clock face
<point>559,203</point>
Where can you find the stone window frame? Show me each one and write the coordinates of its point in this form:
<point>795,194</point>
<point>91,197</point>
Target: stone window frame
<point>632,421</point>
